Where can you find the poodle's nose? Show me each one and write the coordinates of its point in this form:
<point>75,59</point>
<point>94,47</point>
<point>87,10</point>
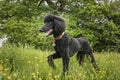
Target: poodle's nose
<point>41,30</point>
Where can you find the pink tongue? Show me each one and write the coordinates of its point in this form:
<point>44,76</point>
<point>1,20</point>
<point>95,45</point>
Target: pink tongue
<point>48,32</point>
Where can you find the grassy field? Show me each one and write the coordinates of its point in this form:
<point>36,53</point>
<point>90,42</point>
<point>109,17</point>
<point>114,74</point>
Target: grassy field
<point>18,63</point>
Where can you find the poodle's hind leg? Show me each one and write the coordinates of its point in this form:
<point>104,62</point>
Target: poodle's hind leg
<point>80,57</point>
<point>93,60</point>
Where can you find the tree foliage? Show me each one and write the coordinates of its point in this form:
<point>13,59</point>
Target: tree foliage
<point>98,22</point>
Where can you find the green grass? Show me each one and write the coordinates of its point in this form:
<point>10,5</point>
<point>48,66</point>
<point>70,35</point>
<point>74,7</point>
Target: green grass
<point>18,63</point>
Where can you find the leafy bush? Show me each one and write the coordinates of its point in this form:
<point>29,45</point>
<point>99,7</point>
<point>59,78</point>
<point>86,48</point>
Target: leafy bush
<point>99,23</point>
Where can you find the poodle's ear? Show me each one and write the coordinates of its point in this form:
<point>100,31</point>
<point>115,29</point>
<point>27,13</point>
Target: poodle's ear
<point>57,23</point>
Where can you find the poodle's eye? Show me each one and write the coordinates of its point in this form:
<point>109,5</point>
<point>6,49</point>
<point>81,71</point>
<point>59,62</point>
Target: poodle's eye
<point>50,22</point>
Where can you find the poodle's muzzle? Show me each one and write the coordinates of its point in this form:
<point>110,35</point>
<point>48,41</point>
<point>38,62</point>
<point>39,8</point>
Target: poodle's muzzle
<point>47,28</point>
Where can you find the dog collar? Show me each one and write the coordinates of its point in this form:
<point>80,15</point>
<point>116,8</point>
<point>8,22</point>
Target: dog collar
<point>59,37</point>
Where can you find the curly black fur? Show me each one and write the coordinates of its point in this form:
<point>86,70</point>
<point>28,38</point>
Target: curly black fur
<point>66,46</point>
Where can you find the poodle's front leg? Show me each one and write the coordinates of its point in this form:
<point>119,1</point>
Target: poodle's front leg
<point>65,60</point>
<point>51,58</point>
<point>65,65</point>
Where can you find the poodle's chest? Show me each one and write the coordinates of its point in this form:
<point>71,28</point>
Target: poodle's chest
<point>61,44</point>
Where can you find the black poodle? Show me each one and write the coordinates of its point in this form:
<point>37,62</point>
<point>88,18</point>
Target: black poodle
<point>65,46</point>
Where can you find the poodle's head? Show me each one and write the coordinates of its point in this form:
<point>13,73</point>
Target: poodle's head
<point>53,25</point>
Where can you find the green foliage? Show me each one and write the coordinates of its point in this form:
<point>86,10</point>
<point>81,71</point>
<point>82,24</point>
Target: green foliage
<point>99,23</point>
<point>96,20</point>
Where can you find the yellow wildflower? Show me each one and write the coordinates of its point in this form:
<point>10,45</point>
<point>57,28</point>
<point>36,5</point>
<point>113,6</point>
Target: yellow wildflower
<point>69,76</point>
<point>9,78</point>
<point>49,74</point>
<point>101,76</point>
<point>41,61</point>
<point>29,62</point>
<point>36,57</point>
<point>56,76</point>
<point>33,74</point>
<point>112,61</point>
<point>6,69</point>
<point>6,59</point>
<point>1,61</point>
<point>23,76</point>
<point>79,74</point>
<point>4,74</point>
<point>40,79</point>
<point>1,67</point>
<point>92,75</point>
<point>14,75</point>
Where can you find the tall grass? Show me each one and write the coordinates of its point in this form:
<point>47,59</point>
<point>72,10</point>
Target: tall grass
<point>18,63</point>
